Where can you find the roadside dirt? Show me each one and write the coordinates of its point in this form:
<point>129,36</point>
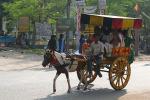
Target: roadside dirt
<point>12,59</point>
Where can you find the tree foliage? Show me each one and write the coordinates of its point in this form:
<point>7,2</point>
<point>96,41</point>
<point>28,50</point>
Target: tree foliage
<point>36,9</point>
<point>145,12</point>
<point>120,7</point>
<point>42,10</point>
<point>116,7</point>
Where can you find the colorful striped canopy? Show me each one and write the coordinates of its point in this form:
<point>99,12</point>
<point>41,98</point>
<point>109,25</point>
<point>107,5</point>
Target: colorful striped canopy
<point>111,22</point>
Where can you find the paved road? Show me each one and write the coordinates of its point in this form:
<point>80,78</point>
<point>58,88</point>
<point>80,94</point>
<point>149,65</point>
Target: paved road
<point>23,78</point>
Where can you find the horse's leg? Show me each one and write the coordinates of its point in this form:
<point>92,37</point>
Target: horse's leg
<point>68,80</point>
<point>86,84</point>
<point>81,79</point>
<point>85,80</point>
<point>54,81</point>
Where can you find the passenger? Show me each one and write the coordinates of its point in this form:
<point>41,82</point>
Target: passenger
<point>82,40</point>
<point>127,39</point>
<point>116,41</point>
<point>90,38</point>
<point>107,46</point>
<point>120,34</point>
<point>85,48</point>
<point>107,49</point>
<point>96,53</point>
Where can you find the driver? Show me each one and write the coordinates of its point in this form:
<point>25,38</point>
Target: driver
<point>96,53</point>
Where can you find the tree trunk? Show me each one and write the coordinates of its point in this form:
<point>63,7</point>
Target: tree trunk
<point>34,34</point>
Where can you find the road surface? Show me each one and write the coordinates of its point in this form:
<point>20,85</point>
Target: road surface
<point>23,78</point>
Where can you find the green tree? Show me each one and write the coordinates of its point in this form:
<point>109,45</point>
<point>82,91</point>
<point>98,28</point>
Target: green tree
<point>116,7</point>
<point>145,12</point>
<point>2,11</point>
<point>37,10</point>
<point>120,7</point>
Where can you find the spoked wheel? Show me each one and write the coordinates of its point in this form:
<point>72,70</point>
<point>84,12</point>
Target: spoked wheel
<point>119,73</point>
<point>85,76</point>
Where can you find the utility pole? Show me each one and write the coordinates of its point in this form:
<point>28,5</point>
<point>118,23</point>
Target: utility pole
<point>68,17</point>
<point>137,35</point>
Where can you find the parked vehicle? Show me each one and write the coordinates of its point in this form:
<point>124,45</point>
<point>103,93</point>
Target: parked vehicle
<point>7,40</point>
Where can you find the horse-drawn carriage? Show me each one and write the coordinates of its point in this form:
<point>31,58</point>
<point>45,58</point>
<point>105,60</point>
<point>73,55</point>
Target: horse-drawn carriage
<point>117,65</point>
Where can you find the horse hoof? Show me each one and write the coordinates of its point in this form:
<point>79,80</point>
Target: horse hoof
<point>85,88</point>
<point>68,91</point>
<point>78,88</point>
<point>54,90</point>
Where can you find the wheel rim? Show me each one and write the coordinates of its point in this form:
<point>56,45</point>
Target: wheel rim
<point>119,73</point>
<point>86,77</point>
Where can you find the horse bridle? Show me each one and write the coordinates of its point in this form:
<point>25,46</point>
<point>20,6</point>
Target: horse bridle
<point>49,52</point>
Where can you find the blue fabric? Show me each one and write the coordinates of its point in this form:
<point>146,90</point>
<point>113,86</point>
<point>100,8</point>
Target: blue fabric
<point>82,40</point>
<point>61,45</point>
<point>85,19</point>
<point>7,38</point>
<point>107,23</point>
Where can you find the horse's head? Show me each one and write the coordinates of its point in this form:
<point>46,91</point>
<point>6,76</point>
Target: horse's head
<point>47,57</point>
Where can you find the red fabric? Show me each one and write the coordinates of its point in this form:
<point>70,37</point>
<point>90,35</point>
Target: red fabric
<point>54,61</point>
<point>117,23</point>
<point>137,23</point>
<point>93,39</point>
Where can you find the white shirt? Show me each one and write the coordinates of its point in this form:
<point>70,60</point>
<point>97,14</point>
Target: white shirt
<point>122,40</point>
<point>108,47</point>
<point>97,48</point>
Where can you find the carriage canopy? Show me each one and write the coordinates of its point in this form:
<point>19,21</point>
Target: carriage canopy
<point>111,22</point>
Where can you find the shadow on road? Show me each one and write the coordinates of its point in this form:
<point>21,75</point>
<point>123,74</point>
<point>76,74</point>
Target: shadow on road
<point>93,94</point>
<point>147,64</point>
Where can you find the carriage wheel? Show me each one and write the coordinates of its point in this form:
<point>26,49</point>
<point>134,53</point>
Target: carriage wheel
<point>119,73</point>
<point>85,75</point>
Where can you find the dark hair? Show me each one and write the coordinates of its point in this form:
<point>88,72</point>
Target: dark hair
<point>97,30</point>
<point>82,36</point>
<point>52,43</point>
<point>61,36</point>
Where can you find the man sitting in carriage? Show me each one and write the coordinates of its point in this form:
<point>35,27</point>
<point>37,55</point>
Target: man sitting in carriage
<point>95,54</point>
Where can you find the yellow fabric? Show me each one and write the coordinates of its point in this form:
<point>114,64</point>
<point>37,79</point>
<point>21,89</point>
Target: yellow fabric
<point>89,29</point>
<point>127,23</point>
<point>96,20</point>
